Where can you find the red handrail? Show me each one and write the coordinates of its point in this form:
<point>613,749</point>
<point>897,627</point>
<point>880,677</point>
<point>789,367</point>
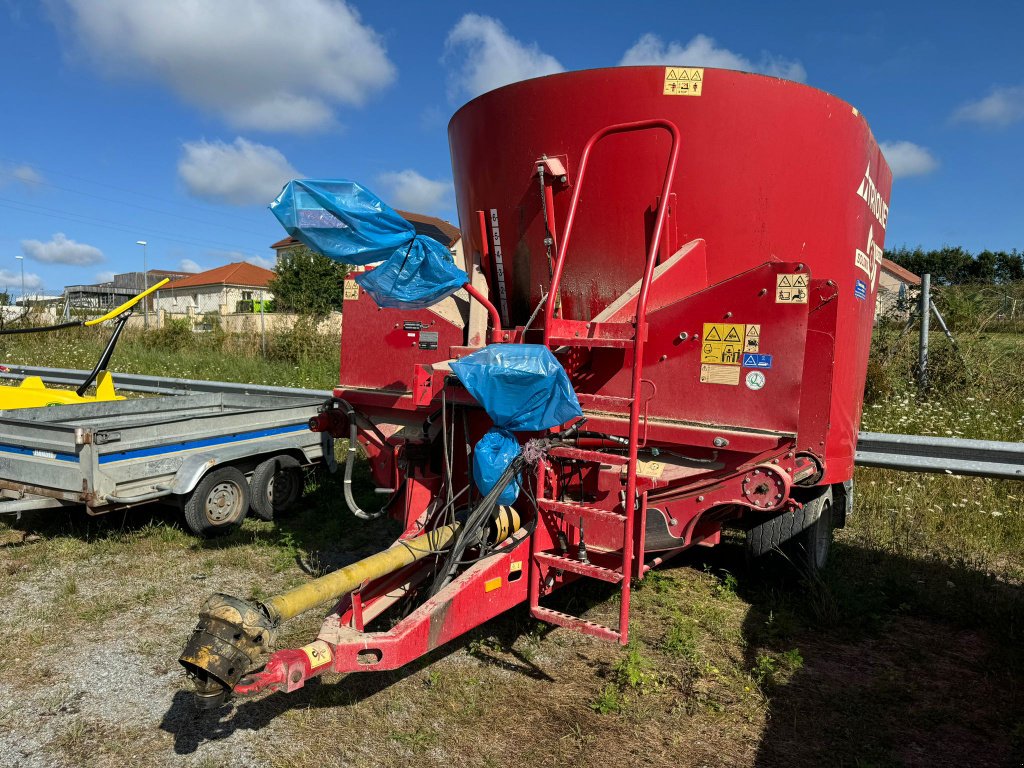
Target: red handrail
<point>639,125</point>
<point>640,332</point>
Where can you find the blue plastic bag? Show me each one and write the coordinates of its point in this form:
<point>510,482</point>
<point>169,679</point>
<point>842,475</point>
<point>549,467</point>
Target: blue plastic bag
<point>346,222</point>
<point>416,276</point>
<point>491,457</point>
<point>522,387</point>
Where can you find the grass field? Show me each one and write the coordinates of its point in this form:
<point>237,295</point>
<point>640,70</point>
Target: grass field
<point>905,653</point>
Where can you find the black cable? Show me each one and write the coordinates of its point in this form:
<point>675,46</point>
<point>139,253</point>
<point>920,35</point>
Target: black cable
<point>41,328</point>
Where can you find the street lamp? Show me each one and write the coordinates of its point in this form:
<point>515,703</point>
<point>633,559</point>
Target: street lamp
<point>22,260</point>
<point>145,280</point>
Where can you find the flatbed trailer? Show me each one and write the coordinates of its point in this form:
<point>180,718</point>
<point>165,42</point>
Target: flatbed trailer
<point>211,454</point>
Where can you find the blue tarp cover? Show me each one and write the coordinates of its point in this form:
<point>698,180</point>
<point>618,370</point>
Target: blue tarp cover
<point>523,388</point>
<point>346,222</point>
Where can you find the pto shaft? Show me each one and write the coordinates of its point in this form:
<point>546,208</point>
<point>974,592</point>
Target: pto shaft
<point>232,634</point>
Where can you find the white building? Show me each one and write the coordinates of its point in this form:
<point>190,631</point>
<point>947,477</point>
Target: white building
<point>224,290</point>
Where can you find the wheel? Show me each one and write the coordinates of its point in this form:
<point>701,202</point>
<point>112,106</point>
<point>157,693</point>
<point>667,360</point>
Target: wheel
<point>219,502</point>
<point>275,486</point>
<point>804,536</point>
<point>809,549</point>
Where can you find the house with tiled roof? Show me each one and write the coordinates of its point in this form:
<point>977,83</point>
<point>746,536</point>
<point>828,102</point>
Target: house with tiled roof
<point>894,286</point>
<point>221,290</point>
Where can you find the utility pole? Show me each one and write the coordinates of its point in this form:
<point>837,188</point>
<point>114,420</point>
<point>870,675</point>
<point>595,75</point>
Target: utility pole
<point>22,260</point>
<point>145,282</point>
<point>922,353</point>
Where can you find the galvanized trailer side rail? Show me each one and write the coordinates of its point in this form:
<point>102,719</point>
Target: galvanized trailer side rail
<point>908,453</point>
<point>158,385</point>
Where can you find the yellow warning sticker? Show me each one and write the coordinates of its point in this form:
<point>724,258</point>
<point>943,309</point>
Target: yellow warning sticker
<point>722,343</point>
<point>651,469</point>
<point>683,81</point>
<point>515,565</point>
<point>318,652</point>
<point>492,584</point>
<point>791,289</point>
<point>351,291</point>
<point>719,374</point>
<point>752,339</point>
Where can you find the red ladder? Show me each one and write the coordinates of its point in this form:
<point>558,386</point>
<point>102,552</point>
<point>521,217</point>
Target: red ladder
<point>559,332</point>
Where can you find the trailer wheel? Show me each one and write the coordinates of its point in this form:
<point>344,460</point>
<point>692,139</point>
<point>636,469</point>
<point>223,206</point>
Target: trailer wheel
<point>810,549</point>
<point>804,536</point>
<point>219,503</point>
<point>275,486</point>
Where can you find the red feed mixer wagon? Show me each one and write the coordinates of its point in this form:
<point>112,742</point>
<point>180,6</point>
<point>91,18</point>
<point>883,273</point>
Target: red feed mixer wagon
<point>683,260</point>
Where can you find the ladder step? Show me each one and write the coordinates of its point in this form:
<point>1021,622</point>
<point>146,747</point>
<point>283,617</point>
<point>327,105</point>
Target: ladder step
<point>576,623</point>
<point>571,510</point>
<point>575,566</point>
<point>597,457</point>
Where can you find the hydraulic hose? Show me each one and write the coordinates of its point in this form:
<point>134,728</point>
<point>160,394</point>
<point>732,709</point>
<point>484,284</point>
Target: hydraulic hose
<point>350,461</point>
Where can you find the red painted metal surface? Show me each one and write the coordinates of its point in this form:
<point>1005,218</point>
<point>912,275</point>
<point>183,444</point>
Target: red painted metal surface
<point>767,170</point>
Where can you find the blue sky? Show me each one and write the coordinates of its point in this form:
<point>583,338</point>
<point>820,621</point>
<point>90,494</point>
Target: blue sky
<point>177,122</point>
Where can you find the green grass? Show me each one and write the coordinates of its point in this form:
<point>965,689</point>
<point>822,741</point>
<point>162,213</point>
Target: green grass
<point>297,358</point>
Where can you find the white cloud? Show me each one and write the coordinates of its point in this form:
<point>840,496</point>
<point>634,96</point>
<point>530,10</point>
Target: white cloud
<point>10,281</point>
<point>187,265</point>
<point>241,173</point>
<point>414,192</point>
<point>490,57</point>
<point>261,261</point>
<point>702,51</point>
<point>61,250</point>
<point>908,159</point>
<point>27,175</point>
<point>104,277</point>
<point>259,64</point>
<point>1001,107</point>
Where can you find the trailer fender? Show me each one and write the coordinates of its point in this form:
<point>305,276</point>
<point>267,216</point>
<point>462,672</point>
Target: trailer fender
<point>196,465</point>
<point>192,470</point>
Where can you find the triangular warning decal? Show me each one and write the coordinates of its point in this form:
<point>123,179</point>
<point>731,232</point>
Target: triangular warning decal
<point>696,75</point>
<point>753,330</point>
<point>684,75</point>
<point>672,76</point>
<point>784,282</point>
<point>749,361</point>
<point>800,281</point>
<point>732,335</point>
<point>713,336</point>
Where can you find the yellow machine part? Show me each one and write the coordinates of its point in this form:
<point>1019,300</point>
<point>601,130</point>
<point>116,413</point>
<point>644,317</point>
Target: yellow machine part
<point>33,393</point>
<point>344,580</point>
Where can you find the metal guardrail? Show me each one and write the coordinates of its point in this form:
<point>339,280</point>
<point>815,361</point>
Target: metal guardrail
<point>908,453</point>
<point>946,455</point>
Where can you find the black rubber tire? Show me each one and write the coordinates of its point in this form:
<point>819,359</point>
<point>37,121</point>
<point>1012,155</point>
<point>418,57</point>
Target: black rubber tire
<point>805,536</point>
<point>809,550</point>
<point>219,503</point>
<point>277,474</point>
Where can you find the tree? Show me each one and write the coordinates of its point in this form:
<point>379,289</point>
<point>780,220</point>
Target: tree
<point>308,283</point>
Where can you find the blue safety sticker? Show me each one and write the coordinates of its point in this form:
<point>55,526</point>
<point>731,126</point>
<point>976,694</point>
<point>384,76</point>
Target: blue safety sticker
<point>860,290</point>
<point>757,361</point>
